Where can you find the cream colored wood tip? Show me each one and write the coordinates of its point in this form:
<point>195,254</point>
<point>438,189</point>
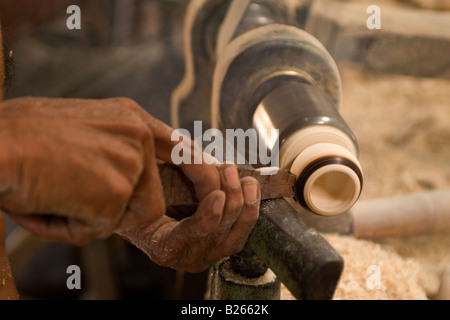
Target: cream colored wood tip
<point>329,178</point>
<point>332,190</point>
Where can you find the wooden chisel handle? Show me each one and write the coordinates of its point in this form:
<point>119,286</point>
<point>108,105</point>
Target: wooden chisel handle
<point>179,191</point>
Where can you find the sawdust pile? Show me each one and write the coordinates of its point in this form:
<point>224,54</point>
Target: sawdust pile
<point>373,271</point>
<point>393,269</point>
<point>403,128</point>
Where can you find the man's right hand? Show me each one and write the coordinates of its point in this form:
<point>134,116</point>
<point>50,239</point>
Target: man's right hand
<point>73,169</point>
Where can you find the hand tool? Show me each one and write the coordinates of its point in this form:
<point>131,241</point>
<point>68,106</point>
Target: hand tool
<point>179,191</point>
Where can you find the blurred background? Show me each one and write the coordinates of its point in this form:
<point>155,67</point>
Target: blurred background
<point>396,93</point>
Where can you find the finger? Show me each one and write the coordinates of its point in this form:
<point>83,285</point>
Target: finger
<point>189,234</point>
<point>204,177</point>
<point>163,138</point>
<point>205,220</point>
<point>238,235</point>
<point>55,228</point>
<point>231,185</point>
<point>199,170</point>
<point>146,204</point>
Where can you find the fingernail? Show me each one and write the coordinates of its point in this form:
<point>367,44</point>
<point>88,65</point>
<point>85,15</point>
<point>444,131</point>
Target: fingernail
<point>218,205</point>
<point>250,192</point>
<point>231,176</point>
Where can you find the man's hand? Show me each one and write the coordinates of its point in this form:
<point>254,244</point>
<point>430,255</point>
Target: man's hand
<point>72,170</point>
<point>219,227</point>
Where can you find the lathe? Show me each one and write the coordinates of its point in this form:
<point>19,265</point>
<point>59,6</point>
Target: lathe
<point>249,65</point>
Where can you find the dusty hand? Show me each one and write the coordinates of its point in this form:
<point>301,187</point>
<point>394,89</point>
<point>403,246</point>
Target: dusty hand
<point>73,170</point>
<point>219,228</point>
